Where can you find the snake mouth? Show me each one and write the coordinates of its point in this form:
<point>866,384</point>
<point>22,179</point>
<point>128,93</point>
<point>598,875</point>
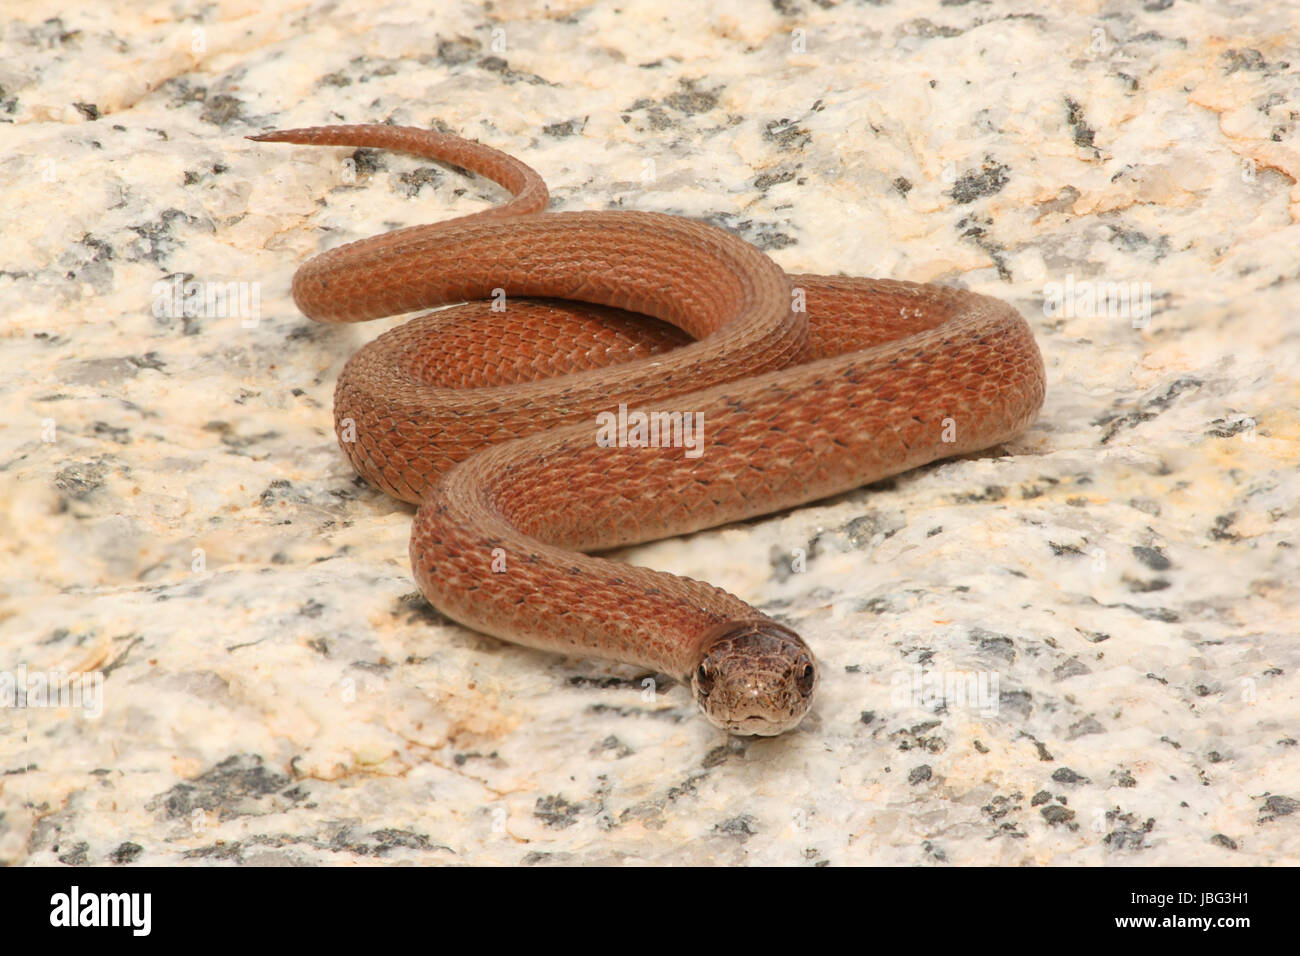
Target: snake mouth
<point>756,726</point>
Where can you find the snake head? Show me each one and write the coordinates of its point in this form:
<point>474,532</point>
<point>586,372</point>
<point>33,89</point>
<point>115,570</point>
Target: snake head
<point>754,677</point>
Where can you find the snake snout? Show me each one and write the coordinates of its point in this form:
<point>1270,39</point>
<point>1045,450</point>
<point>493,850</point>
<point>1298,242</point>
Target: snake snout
<point>754,678</point>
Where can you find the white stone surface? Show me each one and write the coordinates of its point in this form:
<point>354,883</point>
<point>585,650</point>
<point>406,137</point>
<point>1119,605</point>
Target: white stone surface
<point>177,517</point>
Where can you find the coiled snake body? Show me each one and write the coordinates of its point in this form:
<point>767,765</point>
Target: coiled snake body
<point>802,387</point>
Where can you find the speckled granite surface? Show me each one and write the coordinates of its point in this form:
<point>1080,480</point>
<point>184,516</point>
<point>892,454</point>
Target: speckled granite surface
<point>178,524</point>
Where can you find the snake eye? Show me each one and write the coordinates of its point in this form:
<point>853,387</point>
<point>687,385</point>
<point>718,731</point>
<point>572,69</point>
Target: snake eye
<point>704,678</point>
<point>807,675</point>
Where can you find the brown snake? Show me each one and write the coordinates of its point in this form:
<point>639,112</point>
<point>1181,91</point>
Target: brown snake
<point>485,415</point>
